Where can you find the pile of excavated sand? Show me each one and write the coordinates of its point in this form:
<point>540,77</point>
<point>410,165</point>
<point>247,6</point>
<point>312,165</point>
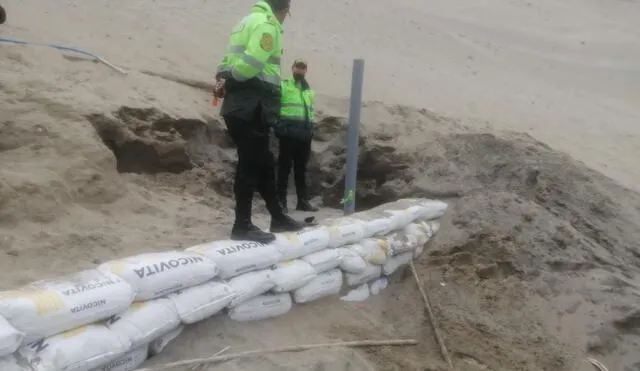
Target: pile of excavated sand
<point>536,262</point>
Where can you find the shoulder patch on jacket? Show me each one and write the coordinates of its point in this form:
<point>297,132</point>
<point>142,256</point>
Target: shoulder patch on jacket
<point>266,42</point>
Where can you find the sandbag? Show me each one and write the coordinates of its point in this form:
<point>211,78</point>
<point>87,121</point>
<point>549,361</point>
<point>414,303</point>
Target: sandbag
<point>50,307</point>
<point>250,285</point>
<point>371,272</point>
<point>9,363</point>
<point>294,245</point>
<point>157,274</point>
<point>158,345</point>
<point>419,231</point>
<point>429,209</point>
<point>128,362</point>
<point>378,285</point>
<point>291,275</point>
<point>324,260</point>
<point>238,257</point>
<point>360,293</point>
<point>10,338</point>
<point>262,307</point>
<point>80,349</point>
<point>325,284</point>
<point>377,223</point>
<point>418,208</point>
<point>344,231</point>
<point>372,250</point>
<point>351,261</point>
<point>145,321</point>
<point>203,301</point>
<point>423,231</point>
<point>401,242</point>
<point>402,218</point>
<point>396,262</point>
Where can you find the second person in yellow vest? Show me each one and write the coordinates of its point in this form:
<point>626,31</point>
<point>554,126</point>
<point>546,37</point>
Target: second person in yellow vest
<point>295,132</point>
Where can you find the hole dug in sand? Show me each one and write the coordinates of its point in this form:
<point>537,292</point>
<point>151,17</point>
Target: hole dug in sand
<point>521,273</point>
<point>145,140</point>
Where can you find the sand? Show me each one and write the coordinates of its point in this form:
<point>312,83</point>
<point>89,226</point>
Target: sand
<point>536,265</point>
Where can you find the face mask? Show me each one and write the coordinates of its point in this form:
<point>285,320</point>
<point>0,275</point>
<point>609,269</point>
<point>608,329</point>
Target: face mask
<point>298,76</point>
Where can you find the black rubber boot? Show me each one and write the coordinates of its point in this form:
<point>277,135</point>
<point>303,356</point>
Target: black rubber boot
<point>285,223</point>
<point>249,232</point>
<point>304,205</point>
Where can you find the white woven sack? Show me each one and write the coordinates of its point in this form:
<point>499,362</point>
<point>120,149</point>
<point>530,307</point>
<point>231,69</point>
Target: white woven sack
<point>401,242</point>
<point>292,274</point>
<point>81,349</point>
<point>324,260</point>
<point>155,275</point>
<point>237,257</point>
<point>9,363</point>
<point>351,261</point>
<point>158,345</point>
<point>418,208</point>
<point>10,338</point>
<point>373,250</point>
<point>262,307</point>
<point>377,223</point>
<point>203,301</point>
<point>50,307</point>
<point>370,273</point>
<point>396,262</point>
<point>128,362</point>
<point>325,284</point>
<point>250,285</point>
<point>344,231</point>
<point>294,245</point>
<point>146,321</point>
<point>360,293</point>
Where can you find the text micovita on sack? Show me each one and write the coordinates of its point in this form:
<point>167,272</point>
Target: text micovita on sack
<point>150,270</point>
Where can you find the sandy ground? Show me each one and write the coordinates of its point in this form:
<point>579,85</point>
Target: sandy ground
<point>567,73</point>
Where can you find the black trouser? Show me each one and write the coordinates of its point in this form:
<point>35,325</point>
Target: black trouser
<point>296,152</point>
<point>255,169</point>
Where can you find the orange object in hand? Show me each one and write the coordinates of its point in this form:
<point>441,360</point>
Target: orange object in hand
<point>218,91</point>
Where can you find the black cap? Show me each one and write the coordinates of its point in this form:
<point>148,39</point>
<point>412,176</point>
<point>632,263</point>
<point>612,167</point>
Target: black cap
<point>279,4</point>
<point>300,63</point>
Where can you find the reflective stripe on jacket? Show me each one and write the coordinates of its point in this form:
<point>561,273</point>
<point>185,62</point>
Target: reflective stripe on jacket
<point>252,66</point>
<point>255,47</point>
<point>297,112</point>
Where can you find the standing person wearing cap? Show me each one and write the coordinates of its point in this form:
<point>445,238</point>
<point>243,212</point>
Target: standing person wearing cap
<point>295,132</point>
<point>248,78</point>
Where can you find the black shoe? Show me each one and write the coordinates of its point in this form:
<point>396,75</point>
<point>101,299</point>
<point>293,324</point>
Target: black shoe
<point>304,205</point>
<point>251,233</point>
<point>285,224</point>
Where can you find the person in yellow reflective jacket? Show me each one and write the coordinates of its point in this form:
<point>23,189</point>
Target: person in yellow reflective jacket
<point>295,132</point>
<point>248,78</point>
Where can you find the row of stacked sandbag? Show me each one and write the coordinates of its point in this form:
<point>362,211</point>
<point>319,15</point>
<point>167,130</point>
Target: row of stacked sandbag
<point>115,316</point>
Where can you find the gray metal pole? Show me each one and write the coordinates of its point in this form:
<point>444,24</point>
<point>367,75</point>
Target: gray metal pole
<point>353,137</point>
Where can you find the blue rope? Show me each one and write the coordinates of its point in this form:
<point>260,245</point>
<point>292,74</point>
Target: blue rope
<point>59,47</point>
<point>63,48</point>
